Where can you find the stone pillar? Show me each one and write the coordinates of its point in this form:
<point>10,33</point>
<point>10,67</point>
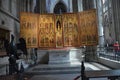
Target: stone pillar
<point>40,3</point>
<point>100,26</point>
<point>88,4</point>
<point>28,5</point>
<point>18,8</point>
<point>116,17</point>
<point>43,6</point>
<point>94,4</point>
<point>24,5</point>
<point>75,5</point>
<point>32,5</point>
<point>80,5</point>
<point>21,5</point>
<point>70,6</point>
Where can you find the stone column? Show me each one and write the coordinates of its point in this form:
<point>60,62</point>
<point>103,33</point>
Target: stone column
<point>24,5</point>
<point>18,7</point>
<point>94,4</point>
<point>40,3</point>
<point>80,5</point>
<point>21,5</point>
<point>100,26</point>
<point>112,21</point>
<point>32,5</point>
<point>70,6</point>
<point>116,17</point>
<point>75,5</point>
<point>28,5</point>
<point>42,6</point>
<point>88,4</point>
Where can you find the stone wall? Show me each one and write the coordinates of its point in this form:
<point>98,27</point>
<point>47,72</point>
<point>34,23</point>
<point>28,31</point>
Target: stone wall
<point>8,17</point>
<point>9,21</point>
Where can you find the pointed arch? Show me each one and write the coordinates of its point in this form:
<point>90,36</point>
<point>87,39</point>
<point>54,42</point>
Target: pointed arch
<point>60,8</point>
<point>54,4</point>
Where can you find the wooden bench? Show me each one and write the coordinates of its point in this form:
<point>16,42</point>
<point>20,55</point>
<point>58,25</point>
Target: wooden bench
<point>110,74</point>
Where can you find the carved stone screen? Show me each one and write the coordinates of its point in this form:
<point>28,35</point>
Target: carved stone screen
<point>58,31</point>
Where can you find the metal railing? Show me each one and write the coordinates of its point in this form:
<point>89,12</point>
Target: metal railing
<point>108,53</point>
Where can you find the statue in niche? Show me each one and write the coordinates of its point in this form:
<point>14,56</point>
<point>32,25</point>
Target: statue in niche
<point>58,25</point>
<point>58,33</point>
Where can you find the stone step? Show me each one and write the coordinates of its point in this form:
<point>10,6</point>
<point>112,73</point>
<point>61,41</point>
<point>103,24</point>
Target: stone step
<point>52,72</point>
<point>55,69</point>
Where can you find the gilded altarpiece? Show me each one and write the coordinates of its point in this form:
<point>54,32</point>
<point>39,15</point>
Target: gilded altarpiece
<point>46,31</point>
<point>28,29</point>
<point>59,31</point>
<point>88,28</point>
<point>70,29</point>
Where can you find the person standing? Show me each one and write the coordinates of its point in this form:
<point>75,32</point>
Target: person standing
<point>116,48</point>
<point>13,67</point>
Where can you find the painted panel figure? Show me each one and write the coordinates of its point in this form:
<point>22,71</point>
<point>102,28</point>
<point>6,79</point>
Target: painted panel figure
<point>88,27</point>
<point>28,29</point>
<point>59,31</point>
<point>70,28</point>
<point>46,31</point>
<point>83,30</point>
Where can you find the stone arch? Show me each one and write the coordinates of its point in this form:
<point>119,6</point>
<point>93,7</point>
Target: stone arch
<point>55,3</point>
<point>60,8</point>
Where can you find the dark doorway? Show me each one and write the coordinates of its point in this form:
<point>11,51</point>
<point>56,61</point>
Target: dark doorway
<point>60,8</point>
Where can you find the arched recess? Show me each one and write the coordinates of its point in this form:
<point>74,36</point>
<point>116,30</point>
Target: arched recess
<point>59,8</point>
